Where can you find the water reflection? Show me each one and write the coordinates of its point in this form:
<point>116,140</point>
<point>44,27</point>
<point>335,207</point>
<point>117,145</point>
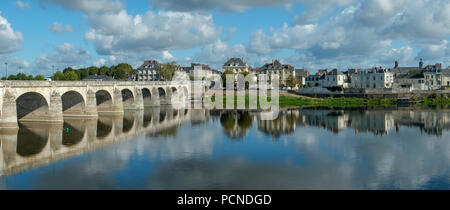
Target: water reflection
<point>35,144</point>
<point>196,149</point>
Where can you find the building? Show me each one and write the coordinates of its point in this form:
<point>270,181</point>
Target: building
<point>236,65</point>
<point>433,76</point>
<point>328,79</point>
<point>276,69</point>
<point>335,78</point>
<point>314,80</point>
<point>410,81</point>
<point>148,71</point>
<point>199,71</point>
<point>446,77</point>
<point>375,78</point>
<point>300,76</point>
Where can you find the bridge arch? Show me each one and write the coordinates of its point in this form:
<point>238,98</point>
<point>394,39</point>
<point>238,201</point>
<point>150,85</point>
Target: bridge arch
<point>174,91</point>
<point>164,97</point>
<point>147,96</point>
<point>73,103</point>
<point>128,99</point>
<point>104,100</point>
<point>31,106</point>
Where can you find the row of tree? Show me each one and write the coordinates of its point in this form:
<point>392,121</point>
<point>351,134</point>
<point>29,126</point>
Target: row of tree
<point>22,76</point>
<point>121,71</point>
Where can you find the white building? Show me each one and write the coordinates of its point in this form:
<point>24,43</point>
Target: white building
<point>375,78</point>
<point>335,78</point>
<point>148,71</point>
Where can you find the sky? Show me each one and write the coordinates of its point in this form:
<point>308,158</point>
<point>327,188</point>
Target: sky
<point>41,36</point>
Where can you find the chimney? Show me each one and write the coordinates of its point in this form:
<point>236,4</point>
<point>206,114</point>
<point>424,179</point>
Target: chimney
<point>396,65</point>
<point>421,64</point>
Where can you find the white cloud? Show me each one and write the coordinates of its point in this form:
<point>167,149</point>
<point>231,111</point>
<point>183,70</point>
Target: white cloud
<point>363,33</point>
<point>218,52</point>
<point>240,5</point>
<point>66,55</point>
<point>160,31</point>
<point>229,6</point>
<point>10,40</point>
<point>88,6</point>
<point>60,28</point>
<point>23,5</point>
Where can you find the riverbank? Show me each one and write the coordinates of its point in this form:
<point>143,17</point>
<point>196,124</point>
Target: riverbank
<point>296,101</point>
<point>287,101</point>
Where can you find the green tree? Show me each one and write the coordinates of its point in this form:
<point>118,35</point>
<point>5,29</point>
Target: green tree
<point>224,76</point>
<point>58,76</point>
<point>124,70</point>
<point>291,81</point>
<point>103,70</point>
<point>93,70</point>
<point>12,77</point>
<point>39,77</point>
<point>166,71</point>
<point>71,76</point>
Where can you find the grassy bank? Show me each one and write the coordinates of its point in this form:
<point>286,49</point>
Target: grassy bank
<point>289,101</point>
<point>286,101</point>
<point>435,101</point>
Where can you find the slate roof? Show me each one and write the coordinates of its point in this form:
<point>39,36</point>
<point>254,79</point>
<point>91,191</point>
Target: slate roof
<point>234,61</point>
<point>98,78</point>
<point>403,70</point>
<point>301,72</point>
<point>276,65</point>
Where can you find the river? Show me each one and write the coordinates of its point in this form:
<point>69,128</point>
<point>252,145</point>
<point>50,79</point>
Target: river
<point>166,148</point>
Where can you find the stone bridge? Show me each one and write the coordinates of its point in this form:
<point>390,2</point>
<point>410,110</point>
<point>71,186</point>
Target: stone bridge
<point>28,101</point>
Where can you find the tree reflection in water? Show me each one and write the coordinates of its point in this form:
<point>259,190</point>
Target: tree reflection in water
<point>236,123</point>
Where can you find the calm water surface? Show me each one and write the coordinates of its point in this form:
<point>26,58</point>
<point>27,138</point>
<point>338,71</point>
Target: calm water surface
<point>165,148</point>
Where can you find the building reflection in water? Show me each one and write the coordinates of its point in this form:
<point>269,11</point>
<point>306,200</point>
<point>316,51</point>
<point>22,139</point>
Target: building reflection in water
<point>377,122</point>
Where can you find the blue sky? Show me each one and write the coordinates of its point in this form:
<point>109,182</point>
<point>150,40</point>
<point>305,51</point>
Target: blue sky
<point>38,34</point>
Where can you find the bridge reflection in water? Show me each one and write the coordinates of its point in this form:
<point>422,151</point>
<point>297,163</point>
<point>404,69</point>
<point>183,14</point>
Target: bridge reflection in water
<point>36,143</point>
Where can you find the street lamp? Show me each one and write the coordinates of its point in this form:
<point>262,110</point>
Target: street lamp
<point>6,64</point>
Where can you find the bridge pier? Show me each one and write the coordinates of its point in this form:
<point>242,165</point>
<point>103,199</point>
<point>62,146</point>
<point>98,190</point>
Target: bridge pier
<point>55,112</point>
<point>117,104</point>
<point>9,112</point>
<point>139,100</point>
<point>91,104</point>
